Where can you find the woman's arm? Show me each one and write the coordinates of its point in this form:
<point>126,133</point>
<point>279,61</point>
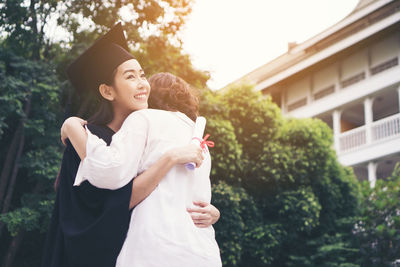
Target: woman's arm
<point>73,130</point>
<point>146,182</point>
<point>113,166</point>
<point>103,156</point>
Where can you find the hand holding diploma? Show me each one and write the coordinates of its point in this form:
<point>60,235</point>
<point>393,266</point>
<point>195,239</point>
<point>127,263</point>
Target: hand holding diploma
<point>198,140</point>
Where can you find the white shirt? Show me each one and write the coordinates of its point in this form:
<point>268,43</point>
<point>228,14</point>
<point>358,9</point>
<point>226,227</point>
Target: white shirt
<point>161,231</point>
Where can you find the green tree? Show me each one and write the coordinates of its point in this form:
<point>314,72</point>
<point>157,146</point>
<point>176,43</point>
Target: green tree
<point>31,139</point>
<point>378,230</point>
<point>291,201</point>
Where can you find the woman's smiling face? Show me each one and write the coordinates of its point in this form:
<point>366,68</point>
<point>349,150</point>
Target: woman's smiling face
<point>131,87</point>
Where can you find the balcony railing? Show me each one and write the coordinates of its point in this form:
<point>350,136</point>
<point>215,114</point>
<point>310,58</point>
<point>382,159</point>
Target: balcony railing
<point>379,131</point>
<point>352,139</point>
<point>386,128</point>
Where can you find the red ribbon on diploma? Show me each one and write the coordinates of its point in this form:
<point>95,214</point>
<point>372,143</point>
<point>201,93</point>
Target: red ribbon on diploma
<point>204,143</point>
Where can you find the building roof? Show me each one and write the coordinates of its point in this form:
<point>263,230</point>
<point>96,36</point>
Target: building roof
<point>361,4</point>
<point>313,45</point>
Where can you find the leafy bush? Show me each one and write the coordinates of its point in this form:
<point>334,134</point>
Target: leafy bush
<point>379,227</point>
<point>284,198</point>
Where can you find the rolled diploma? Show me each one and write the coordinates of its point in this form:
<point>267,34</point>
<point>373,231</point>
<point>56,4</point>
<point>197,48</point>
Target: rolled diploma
<point>197,133</point>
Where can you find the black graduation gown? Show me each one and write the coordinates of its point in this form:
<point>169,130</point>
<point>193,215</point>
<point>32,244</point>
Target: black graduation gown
<point>89,224</point>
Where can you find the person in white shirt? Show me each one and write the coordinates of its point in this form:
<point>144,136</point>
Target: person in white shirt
<point>161,232</point>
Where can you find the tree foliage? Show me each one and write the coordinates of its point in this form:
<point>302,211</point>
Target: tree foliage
<point>29,97</point>
<point>292,203</point>
<point>378,230</point>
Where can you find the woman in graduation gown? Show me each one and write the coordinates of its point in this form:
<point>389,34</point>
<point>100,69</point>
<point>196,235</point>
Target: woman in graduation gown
<point>161,231</point>
<point>89,224</point>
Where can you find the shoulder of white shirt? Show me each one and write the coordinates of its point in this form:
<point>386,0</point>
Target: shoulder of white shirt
<point>163,113</point>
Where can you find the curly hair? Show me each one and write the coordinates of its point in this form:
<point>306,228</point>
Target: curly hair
<point>169,92</point>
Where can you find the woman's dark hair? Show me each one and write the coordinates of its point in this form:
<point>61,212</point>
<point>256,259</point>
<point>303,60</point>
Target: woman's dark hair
<point>104,113</point>
<point>169,92</point>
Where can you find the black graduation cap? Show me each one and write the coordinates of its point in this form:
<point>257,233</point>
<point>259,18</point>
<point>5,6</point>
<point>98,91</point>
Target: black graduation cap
<point>98,62</point>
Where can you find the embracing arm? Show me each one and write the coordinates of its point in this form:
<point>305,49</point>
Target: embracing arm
<point>143,184</point>
<point>147,181</point>
<point>73,130</point>
<point>113,166</point>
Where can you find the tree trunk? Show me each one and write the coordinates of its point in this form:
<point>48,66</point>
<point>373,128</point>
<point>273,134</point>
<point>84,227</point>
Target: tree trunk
<point>17,240</point>
<point>12,249</point>
<point>13,179</point>
<point>5,172</point>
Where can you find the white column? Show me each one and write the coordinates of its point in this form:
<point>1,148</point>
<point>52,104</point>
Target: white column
<point>372,166</point>
<point>398,95</point>
<point>368,116</point>
<point>336,128</point>
<point>369,60</point>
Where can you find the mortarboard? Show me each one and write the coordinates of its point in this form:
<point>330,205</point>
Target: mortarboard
<point>99,61</point>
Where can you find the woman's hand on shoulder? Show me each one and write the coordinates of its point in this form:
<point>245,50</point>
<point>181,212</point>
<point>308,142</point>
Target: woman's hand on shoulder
<point>69,124</point>
<point>185,154</point>
<point>203,214</point>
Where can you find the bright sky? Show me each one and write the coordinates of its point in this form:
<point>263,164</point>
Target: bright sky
<point>230,38</point>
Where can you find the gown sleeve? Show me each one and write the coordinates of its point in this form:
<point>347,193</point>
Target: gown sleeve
<point>114,166</point>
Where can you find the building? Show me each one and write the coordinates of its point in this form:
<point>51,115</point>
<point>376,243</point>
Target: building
<point>349,77</point>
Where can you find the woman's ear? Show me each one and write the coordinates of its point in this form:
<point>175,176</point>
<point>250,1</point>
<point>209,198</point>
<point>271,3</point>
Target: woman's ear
<point>107,92</point>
